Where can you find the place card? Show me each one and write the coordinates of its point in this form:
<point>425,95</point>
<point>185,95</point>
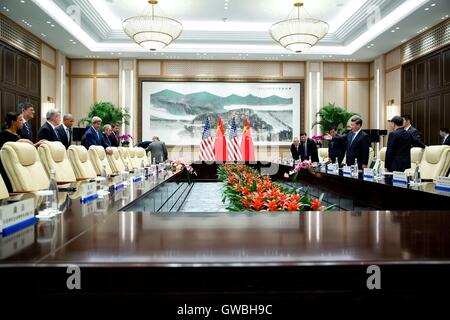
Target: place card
<point>368,174</point>
<point>88,192</point>
<point>118,182</point>
<point>10,245</point>
<point>88,209</point>
<point>400,178</point>
<point>443,184</point>
<point>16,216</point>
<point>347,171</point>
<point>332,169</point>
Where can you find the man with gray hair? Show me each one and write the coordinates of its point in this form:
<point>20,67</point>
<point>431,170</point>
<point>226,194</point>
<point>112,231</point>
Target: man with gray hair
<point>65,130</point>
<point>48,130</point>
<point>93,136</point>
<point>107,129</point>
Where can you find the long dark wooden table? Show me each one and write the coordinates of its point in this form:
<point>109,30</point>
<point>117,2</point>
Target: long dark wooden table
<point>238,256</point>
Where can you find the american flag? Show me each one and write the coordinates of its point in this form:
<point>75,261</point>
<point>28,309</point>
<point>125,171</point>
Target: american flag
<point>206,146</point>
<point>234,153</point>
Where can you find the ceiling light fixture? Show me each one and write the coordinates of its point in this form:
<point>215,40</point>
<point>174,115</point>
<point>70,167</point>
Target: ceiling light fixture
<point>297,33</point>
<point>152,32</point>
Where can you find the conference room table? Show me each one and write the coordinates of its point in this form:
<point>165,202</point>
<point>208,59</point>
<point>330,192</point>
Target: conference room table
<point>169,253</point>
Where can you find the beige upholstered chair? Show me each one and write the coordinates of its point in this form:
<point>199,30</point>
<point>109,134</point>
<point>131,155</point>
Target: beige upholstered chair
<point>82,166</point>
<point>435,162</point>
<point>371,156</point>
<point>134,160</point>
<point>3,190</point>
<point>381,158</point>
<point>323,154</point>
<point>54,157</point>
<point>124,155</point>
<point>98,158</point>
<point>141,156</point>
<point>115,161</point>
<point>416,156</point>
<point>23,167</point>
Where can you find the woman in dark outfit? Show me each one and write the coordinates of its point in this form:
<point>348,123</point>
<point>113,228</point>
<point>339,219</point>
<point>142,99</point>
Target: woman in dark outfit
<point>13,122</point>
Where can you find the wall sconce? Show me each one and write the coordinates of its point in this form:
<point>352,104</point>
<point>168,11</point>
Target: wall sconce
<point>49,104</point>
<point>391,109</point>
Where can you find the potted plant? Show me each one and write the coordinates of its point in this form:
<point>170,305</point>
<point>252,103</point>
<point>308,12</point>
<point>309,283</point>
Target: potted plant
<point>109,114</point>
<point>125,139</point>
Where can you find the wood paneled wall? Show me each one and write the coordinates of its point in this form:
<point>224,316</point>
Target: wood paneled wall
<point>426,93</point>
<point>91,81</point>
<point>20,81</point>
<point>348,85</point>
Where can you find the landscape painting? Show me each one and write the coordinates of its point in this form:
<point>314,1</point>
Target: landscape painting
<point>176,111</point>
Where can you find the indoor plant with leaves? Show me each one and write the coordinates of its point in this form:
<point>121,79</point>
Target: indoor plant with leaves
<point>333,116</point>
<point>108,112</point>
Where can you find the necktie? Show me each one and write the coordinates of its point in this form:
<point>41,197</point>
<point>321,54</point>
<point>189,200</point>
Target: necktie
<point>68,135</point>
<point>27,127</point>
<point>353,138</point>
<point>305,153</point>
<point>57,134</point>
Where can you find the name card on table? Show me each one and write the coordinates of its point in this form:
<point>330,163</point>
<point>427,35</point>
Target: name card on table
<point>332,169</point>
<point>368,174</point>
<point>10,245</point>
<point>88,192</point>
<point>16,216</point>
<point>400,178</point>
<point>347,171</point>
<point>443,184</point>
<point>118,182</point>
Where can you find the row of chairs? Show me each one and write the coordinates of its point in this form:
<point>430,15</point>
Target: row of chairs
<point>28,168</point>
<point>433,161</point>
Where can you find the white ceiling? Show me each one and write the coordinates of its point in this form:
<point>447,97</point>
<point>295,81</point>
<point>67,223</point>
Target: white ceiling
<point>92,28</point>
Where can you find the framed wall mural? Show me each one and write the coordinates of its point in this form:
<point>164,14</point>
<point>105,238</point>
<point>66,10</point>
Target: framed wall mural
<point>176,111</point>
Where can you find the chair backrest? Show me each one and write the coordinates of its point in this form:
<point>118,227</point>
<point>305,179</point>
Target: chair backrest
<point>82,166</point>
<point>98,158</point>
<point>23,167</point>
<point>435,162</point>
<point>382,157</point>
<point>323,154</point>
<point>124,155</point>
<point>4,194</point>
<point>141,156</point>
<point>54,157</point>
<point>115,161</point>
<point>135,163</point>
<point>416,156</point>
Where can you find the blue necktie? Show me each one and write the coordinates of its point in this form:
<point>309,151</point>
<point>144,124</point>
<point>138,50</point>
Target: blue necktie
<point>57,134</point>
<point>353,138</point>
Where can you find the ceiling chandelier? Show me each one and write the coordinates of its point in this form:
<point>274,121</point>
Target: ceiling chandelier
<point>297,33</point>
<point>152,32</point>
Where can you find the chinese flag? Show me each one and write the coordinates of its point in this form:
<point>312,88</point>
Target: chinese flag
<point>220,143</point>
<point>247,149</point>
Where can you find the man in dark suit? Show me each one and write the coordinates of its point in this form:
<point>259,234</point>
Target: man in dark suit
<point>445,136</point>
<point>48,130</point>
<point>105,138</point>
<point>410,129</point>
<point>337,144</point>
<point>295,149</point>
<point>92,135</point>
<point>308,148</point>
<point>358,144</point>
<point>27,110</point>
<point>65,130</point>
<point>398,153</point>
<point>114,136</point>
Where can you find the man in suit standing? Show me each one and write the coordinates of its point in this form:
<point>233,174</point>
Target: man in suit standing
<point>357,144</point>
<point>65,130</point>
<point>308,148</point>
<point>445,137</point>
<point>398,153</point>
<point>295,149</point>
<point>27,110</point>
<point>105,138</point>
<point>92,135</point>
<point>48,130</point>
<point>158,150</point>
<point>114,136</point>
<point>410,129</point>
<point>336,145</point>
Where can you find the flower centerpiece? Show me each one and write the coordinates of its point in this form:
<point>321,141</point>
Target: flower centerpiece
<point>125,140</point>
<point>247,190</point>
<point>306,164</point>
<point>181,165</point>
<point>318,140</point>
